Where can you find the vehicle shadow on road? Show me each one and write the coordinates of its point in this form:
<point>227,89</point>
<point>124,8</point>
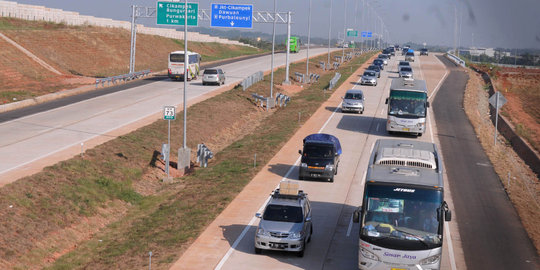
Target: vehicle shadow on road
<point>281,169</point>
<point>342,252</point>
<point>331,108</point>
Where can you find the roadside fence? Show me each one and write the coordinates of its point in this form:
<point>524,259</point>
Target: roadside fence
<point>123,78</point>
<point>455,59</point>
<point>322,65</point>
<point>314,77</point>
<point>299,77</point>
<point>252,79</point>
<point>282,99</point>
<point>336,65</point>
<point>334,81</point>
<point>258,98</point>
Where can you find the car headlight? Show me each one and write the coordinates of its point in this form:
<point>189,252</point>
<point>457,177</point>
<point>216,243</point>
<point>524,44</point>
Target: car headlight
<point>430,260</point>
<point>329,167</point>
<point>304,165</point>
<point>368,254</point>
<point>296,235</point>
<point>261,231</point>
<point>420,125</point>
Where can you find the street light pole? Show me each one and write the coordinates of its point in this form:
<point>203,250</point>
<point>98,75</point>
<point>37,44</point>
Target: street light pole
<point>329,32</point>
<point>308,40</point>
<point>344,33</point>
<point>272,64</point>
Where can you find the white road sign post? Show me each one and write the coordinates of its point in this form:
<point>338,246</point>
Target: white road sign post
<point>169,113</point>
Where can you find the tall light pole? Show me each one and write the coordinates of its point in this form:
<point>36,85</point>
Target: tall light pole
<point>308,40</point>
<point>355,13</point>
<point>272,64</point>
<point>344,33</point>
<point>185,72</point>
<point>363,25</point>
<point>329,32</point>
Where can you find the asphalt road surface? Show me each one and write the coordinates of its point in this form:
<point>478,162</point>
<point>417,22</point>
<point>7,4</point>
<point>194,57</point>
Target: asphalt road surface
<point>491,232</point>
<point>228,242</point>
<point>46,135</point>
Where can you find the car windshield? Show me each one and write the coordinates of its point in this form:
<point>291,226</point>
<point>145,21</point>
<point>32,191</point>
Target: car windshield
<point>210,71</point>
<point>374,67</point>
<point>369,73</point>
<point>402,215</point>
<point>318,151</point>
<point>409,104</point>
<point>283,213</point>
<point>410,54</point>
<point>404,63</point>
<point>357,96</point>
<point>408,69</point>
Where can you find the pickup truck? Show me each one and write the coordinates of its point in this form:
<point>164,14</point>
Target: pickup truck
<point>320,157</point>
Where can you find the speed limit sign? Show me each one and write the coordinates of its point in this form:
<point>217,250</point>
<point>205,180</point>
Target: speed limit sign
<point>169,113</point>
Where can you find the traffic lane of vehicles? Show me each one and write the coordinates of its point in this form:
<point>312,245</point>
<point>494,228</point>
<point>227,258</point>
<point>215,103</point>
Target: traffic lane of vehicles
<point>60,131</point>
<point>327,202</point>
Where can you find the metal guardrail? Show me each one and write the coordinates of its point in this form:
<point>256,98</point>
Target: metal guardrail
<point>336,65</point>
<point>322,65</point>
<point>334,81</point>
<point>252,79</point>
<point>258,98</point>
<point>123,78</point>
<point>203,155</point>
<point>455,59</point>
<point>314,77</point>
<point>299,77</point>
<point>282,100</point>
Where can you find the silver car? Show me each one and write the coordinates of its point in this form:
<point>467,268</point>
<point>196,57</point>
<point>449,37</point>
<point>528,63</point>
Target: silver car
<point>286,221</point>
<point>406,72</point>
<point>213,76</point>
<point>384,57</point>
<point>369,77</point>
<point>353,101</point>
<point>403,64</point>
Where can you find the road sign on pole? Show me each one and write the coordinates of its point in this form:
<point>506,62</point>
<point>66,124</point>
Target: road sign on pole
<point>232,16</point>
<point>352,33</point>
<point>369,34</point>
<point>172,13</point>
<point>169,113</point>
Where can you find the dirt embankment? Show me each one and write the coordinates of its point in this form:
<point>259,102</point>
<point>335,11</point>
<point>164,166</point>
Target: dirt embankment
<point>82,53</point>
<point>521,184</point>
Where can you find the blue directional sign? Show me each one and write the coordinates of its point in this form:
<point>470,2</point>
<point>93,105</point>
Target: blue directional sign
<point>368,34</point>
<point>232,16</point>
<point>364,34</point>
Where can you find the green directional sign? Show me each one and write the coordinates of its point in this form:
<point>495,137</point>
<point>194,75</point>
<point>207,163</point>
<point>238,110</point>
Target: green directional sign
<point>172,13</point>
<point>352,33</point>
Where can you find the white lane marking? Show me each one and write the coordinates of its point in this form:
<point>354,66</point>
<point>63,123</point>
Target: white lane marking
<point>251,222</point>
<point>450,248</point>
<point>253,219</point>
<point>446,228</point>
<point>377,128</point>
<point>350,225</point>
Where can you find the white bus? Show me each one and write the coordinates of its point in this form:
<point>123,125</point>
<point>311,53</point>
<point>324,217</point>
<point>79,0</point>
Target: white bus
<point>176,65</point>
<point>407,106</point>
<point>403,209</point>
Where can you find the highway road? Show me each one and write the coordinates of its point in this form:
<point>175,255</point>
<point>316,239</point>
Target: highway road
<point>491,232</point>
<point>228,242</point>
<point>43,138</point>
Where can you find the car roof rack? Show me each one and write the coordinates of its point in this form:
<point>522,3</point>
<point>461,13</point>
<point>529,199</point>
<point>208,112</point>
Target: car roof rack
<point>289,190</point>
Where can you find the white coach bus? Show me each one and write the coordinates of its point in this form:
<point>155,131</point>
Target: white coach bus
<point>176,65</point>
<point>407,106</point>
<point>403,209</point>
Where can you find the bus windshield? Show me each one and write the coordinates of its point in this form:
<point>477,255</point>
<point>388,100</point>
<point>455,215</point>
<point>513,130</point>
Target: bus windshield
<point>402,217</point>
<point>407,104</point>
<point>177,57</point>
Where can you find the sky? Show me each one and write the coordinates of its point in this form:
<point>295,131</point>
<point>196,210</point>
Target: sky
<point>479,23</point>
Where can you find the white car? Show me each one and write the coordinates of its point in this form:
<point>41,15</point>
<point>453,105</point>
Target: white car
<point>213,76</point>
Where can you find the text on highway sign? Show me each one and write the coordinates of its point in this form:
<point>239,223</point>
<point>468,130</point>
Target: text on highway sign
<point>352,33</point>
<point>232,16</point>
<point>172,13</point>
<point>169,113</point>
